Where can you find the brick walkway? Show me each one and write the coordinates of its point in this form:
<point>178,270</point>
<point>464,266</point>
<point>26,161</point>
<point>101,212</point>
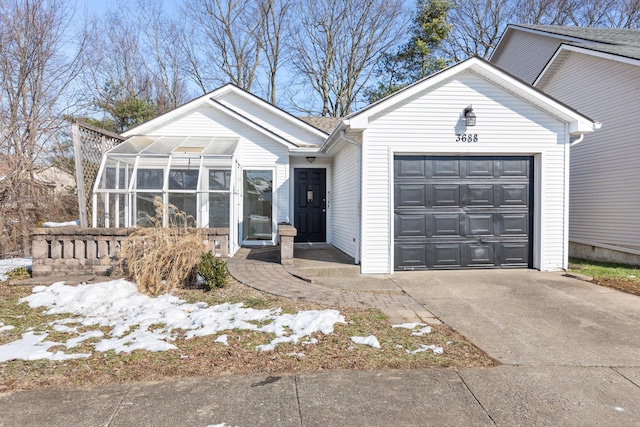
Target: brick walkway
<point>259,268</point>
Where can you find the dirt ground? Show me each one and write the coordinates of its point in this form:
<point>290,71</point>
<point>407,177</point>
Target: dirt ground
<point>623,285</point>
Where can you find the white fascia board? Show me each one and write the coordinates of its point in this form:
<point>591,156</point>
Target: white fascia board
<point>547,33</point>
<point>276,111</point>
<point>236,115</point>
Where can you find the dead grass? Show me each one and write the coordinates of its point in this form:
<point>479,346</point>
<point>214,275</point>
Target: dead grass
<point>202,357</point>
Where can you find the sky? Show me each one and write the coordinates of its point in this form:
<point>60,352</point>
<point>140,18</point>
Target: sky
<point>293,92</point>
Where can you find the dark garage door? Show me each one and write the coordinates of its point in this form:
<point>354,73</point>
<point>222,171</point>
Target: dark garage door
<point>463,212</point>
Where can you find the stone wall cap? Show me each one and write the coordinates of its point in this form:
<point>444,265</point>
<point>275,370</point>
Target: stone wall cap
<point>287,230</point>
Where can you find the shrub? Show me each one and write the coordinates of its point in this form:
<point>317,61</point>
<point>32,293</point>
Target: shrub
<point>213,271</point>
<point>19,273</point>
<point>161,259</point>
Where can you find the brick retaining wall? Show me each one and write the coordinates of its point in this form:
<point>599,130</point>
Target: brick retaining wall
<point>78,250</point>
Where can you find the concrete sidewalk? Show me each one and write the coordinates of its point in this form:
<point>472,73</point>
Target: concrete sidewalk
<point>503,396</point>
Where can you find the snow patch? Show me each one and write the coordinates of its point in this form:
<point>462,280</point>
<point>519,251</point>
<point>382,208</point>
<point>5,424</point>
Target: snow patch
<point>139,322</point>
<point>51,224</point>
<point>436,349</point>
<point>371,341</point>
<point>223,339</point>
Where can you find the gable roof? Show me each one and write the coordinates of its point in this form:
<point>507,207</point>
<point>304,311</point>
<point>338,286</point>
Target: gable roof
<point>611,43</point>
<point>359,120</point>
<point>213,99</point>
<point>608,36</point>
<point>615,41</point>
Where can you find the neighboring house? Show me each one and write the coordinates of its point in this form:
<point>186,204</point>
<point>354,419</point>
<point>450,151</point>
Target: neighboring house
<point>402,184</point>
<point>60,181</point>
<point>597,71</point>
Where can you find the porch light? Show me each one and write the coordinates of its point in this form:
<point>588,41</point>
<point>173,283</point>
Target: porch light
<point>469,116</point>
<point>311,159</point>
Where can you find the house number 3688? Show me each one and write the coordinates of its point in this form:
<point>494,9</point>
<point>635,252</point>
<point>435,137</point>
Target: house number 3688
<point>466,137</point>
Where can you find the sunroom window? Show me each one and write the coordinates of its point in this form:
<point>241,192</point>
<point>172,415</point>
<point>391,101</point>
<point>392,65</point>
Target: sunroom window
<point>170,180</point>
<point>183,206</point>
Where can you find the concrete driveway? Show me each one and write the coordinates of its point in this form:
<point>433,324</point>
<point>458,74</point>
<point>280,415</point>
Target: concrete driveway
<point>527,317</point>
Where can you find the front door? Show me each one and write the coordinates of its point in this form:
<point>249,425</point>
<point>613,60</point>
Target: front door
<point>310,204</point>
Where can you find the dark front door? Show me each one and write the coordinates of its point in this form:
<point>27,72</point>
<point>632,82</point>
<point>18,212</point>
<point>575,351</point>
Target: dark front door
<point>310,199</point>
<point>463,211</point>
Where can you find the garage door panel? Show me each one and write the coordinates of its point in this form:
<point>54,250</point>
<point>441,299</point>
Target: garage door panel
<point>463,211</point>
<point>480,225</point>
<point>444,255</point>
<point>445,195</point>
<point>411,225</point>
<point>480,255</point>
<point>479,195</point>
<point>514,195</point>
<point>408,167</point>
<point>410,256</point>
<point>410,195</point>
<point>514,224</point>
<point>514,254</point>
<point>445,167</point>
<point>442,224</point>
<point>480,167</point>
<point>515,167</point>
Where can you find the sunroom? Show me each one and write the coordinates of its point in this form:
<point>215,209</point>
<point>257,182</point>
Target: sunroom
<point>166,180</point>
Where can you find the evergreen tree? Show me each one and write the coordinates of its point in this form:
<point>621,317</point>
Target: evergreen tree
<point>417,58</point>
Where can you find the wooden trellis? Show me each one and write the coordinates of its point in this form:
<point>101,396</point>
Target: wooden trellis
<point>89,145</point>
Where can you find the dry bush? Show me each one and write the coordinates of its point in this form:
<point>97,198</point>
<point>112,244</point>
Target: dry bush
<point>24,205</point>
<point>162,259</point>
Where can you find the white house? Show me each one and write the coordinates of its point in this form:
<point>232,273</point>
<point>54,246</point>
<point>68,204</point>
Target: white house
<point>597,71</point>
<point>464,169</point>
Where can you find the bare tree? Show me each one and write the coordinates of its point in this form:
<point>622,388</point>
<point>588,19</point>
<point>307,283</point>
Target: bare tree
<point>628,15</point>
<point>165,59</point>
<point>275,18</point>
<point>607,13</point>
<point>117,78</point>
<point>36,76</point>
<point>477,26</point>
<point>336,44</point>
<point>229,41</point>
<point>544,12</point>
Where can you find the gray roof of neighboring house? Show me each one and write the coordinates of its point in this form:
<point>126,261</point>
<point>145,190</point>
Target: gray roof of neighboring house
<point>616,41</point>
<point>325,124</point>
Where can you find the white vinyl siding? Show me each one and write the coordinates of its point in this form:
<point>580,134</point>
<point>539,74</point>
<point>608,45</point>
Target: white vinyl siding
<point>279,124</point>
<point>525,54</point>
<point>255,149</point>
<point>604,202</point>
<point>344,200</point>
<point>428,123</point>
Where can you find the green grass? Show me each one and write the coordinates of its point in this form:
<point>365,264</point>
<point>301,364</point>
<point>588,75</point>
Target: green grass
<point>605,270</point>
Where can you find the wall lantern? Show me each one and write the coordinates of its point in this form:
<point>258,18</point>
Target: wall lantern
<point>469,116</point>
<point>311,159</point>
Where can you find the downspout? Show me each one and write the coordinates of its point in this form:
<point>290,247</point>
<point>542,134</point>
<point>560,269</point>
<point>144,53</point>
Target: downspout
<point>577,141</point>
<point>359,194</point>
